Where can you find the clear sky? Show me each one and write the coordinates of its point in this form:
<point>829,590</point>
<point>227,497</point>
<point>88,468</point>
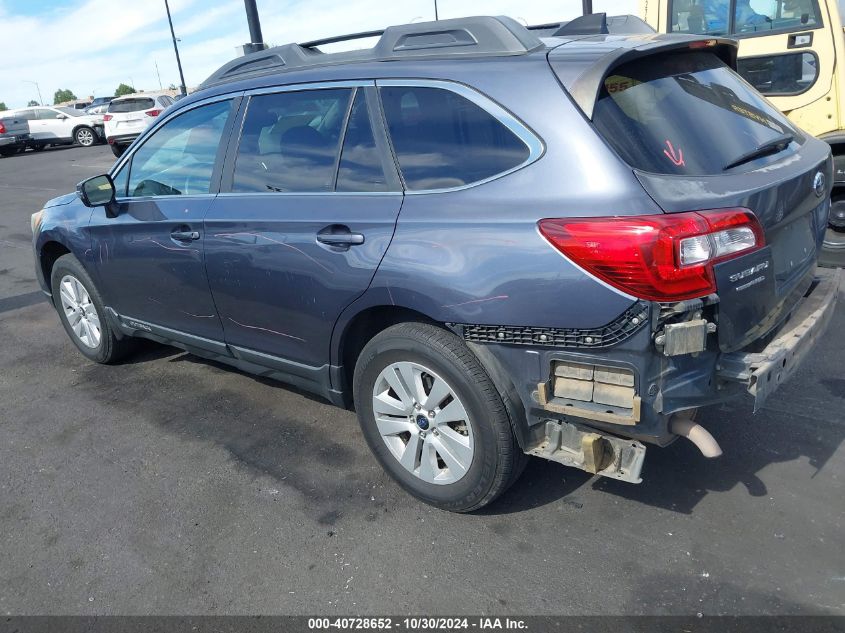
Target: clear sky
<point>91,46</point>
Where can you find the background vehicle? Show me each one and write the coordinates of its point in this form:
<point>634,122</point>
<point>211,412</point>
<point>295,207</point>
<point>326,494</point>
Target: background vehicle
<point>61,126</point>
<point>574,272</point>
<point>97,109</point>
<point>99,101</point>
<point>128,116</point>
<point>14,134</point>
<point>792,51</point>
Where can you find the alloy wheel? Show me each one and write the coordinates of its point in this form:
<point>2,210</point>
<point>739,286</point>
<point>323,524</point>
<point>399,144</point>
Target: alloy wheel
<point>85,137</point>
<point>423,422</point>
<point>80,312</point>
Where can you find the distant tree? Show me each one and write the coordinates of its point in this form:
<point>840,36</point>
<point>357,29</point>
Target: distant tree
<point>172,87</point>
<point>123,89</point>
<point>3,106</point>
<point>63,95</point>
<point>32,103</point>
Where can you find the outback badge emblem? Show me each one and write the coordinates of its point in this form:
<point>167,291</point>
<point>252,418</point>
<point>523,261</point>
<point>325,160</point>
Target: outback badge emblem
<point>818,184</point>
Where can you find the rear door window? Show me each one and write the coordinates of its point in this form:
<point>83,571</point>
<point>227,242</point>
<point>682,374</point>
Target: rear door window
<point>444,140</point>
<point>131,105</point>
<point>290,141</point>
<point>686,113</point>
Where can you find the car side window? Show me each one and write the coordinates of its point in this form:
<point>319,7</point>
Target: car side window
<point>27,115</point>
<point>360,161</point>
<point>47,114</point>
<point>444,140</point>
<point>290,141</point>
<point>178,159</point>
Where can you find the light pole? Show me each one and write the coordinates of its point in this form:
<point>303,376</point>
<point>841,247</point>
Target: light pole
<point>182,87</point>
<point>436,18</point>
<point>40,99</point>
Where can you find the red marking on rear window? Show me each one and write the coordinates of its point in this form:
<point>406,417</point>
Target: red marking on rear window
<point>676,157</point>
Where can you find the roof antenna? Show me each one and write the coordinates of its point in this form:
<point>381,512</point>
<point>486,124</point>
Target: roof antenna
<point>256,42</point>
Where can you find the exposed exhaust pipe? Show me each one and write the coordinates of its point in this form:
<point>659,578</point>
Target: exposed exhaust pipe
<point>696,434</point>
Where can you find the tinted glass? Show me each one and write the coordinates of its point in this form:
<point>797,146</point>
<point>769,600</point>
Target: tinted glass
<point>28,115</point>
<point>685,113</point>
<point>290,141</point>
<point>131,105</point>
<point>360,161</point>
<point>178,159</point>
<point>444,140</point>
<point>787,74</point>
<point>750,16</point>
<point>46,114</point>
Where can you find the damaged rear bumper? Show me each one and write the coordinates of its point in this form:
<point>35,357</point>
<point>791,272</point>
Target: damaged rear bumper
<point>763,372</point>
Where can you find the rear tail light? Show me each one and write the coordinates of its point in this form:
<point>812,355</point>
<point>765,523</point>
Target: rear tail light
<point>2,128</point>
<point>107,117</point>
<point>667,257</point>
<point>153,112</point>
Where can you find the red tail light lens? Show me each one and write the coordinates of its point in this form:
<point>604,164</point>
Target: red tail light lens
<point>2,128</point>
<point>153,112</point>
<point>107,117</point>
<point>667,257</point>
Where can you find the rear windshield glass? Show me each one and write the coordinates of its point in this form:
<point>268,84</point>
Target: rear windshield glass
<point>687,114</point>
<point>131,105</point>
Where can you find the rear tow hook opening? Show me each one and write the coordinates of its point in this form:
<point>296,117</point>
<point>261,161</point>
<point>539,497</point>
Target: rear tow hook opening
<point>697,434</point>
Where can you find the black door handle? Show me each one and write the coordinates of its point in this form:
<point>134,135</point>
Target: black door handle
<point>339,235</point>
<point>184,236</point>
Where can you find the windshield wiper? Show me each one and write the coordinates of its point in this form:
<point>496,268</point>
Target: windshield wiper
<point>773,146</point>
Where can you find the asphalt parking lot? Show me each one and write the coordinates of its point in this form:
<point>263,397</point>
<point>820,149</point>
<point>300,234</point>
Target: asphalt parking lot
<point>172,485</point>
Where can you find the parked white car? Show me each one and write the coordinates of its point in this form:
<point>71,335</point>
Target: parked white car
<point>128,116</point>
<point>56,125</point>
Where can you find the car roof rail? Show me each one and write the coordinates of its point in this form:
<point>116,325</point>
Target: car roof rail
<point>471,36</point>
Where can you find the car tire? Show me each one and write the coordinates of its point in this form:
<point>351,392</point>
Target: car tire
<point>118,150</point>
<point>40,147</point>
<point>459,462</point>
<point>83,314</point>
<point>85,136</point>
<point>8,151</point>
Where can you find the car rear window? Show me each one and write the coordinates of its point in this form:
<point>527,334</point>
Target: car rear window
<point>444,140</point>
<point>131,105</point>
<point>685,113</point>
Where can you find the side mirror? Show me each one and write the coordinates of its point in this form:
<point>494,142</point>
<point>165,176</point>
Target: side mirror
<point>61,116</point>
<point>98,192</point>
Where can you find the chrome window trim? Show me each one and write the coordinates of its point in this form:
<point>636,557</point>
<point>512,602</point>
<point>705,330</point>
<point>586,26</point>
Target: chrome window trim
<point>313,85</point>
<point>162,121</point>
<point>261,194</point>
<point>536,147</point>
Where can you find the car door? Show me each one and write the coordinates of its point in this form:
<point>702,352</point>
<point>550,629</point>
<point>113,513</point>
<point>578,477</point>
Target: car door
<point>54,125</point>
<point>149,258</point>
<point>307,210</point>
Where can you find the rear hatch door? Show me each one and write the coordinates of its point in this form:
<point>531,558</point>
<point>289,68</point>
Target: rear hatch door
<point>128,116</point>
<point>700,138</point>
